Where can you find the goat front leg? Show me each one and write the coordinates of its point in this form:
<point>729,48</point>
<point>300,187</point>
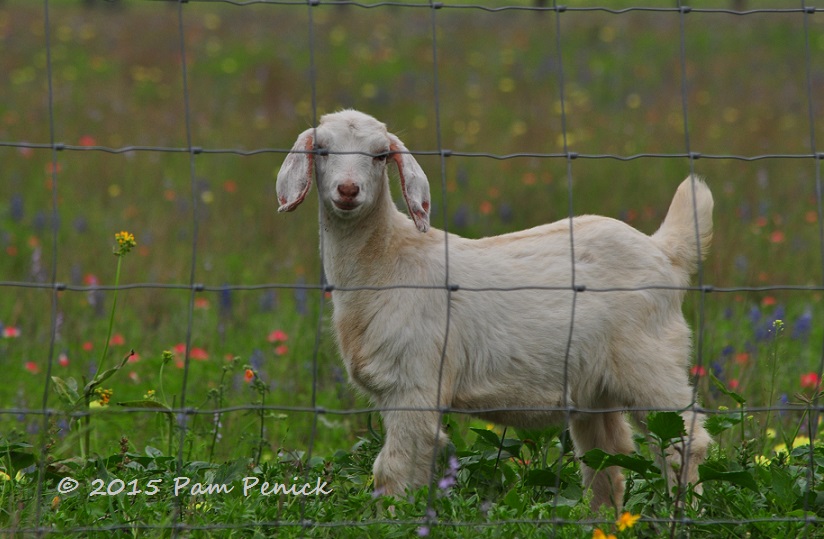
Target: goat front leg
<point>412,440</point>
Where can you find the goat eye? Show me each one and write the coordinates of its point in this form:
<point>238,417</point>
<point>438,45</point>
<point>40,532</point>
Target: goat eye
<point>381,156</point>
<point>321,150</point>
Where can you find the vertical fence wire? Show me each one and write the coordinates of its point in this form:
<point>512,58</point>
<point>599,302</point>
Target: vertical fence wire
<point>184,414</point>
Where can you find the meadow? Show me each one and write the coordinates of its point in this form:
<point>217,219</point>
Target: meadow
<point>216,319</point>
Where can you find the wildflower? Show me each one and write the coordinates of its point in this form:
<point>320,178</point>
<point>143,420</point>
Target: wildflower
<point>88,140</point>
<point>201,303</point>
<point>125,243</point>
<point>768,301</point>
<point>166,356</point>
<point>32,367</point>
<point>423,531</point>
<point>734,384</point>
<point>199,354</point>
<point>88,346</point>
<point>63,359</point>
<point>801,441</point>
<point>55,503</point>
<point>281,350</point>
<point>810,380</point>
<point>598,534</point>
<point>150,395</point>
<point>11,332</point>
<point>803,325</point>
<point>278,335</point>
<point>117,340</point>
<point>626,520</point>
<point>742,358</point>
<point>698,370</point>
<point>249,375</point>
<point>103,396</point>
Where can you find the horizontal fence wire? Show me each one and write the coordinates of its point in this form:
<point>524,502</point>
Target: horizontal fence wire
<point>182,413</point>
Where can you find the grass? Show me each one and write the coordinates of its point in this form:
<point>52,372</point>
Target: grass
<point>117,83</point>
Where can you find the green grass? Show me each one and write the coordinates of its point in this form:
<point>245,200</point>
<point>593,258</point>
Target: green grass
<point>117,83</point>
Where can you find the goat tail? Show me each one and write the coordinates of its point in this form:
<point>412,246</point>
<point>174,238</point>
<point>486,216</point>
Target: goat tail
<point>686,233</point>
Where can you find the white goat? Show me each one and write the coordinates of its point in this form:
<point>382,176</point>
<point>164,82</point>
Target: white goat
<point>501,348</point>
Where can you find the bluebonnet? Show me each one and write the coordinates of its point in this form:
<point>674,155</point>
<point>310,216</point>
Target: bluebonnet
<point>803,324</point>
<point>461,216</point>
<point>16,207</point>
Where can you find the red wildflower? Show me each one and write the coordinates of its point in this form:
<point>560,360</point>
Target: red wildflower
<point>32,367</point>
<point>281,350</point>
<point>63,359</point>
<point>88,140</point>
<point>768,301</point>
<point>742,358</point>
<point>88,346</point>
<point>777,237</point>
<point>11,332</point>
<point>698,370</point>
<point>201,303</point>
<point>278,336</point>
<point>734,384</point>
<point>179,348</point>
<point>810,380</point>
<point>117,340</point>
<point>249,375</point>
<point>199,354</point>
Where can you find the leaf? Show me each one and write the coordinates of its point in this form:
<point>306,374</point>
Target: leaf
<point>487,437</point>
<point>146,403</point>
<point>598,459</point>
<point>717,424</point>
<point>515,500</point>
<point>719,385</point>
<point>153,452</point>
<point>541,478</point>
<point>666,425</point>
<point>105,375</point>
<point>66,389</point>
<point>741,478</point>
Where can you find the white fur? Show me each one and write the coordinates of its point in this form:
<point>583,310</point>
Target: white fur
<point>503,348</point>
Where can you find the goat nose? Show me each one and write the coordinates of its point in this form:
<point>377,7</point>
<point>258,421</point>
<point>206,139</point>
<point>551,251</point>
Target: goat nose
<point>348,190</point>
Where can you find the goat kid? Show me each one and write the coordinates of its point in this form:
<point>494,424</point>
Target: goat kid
<point>502,349</point>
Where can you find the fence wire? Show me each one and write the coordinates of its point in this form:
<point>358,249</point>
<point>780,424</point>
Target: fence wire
<point>678,524</point>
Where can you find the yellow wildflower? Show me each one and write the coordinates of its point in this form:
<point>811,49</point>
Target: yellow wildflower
<point>598,534</point>
<point>125,243</point>
<point>103,396</point>
<point>627,520</point>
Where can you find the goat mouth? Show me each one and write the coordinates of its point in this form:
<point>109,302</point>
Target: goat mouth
<point>346,205</point>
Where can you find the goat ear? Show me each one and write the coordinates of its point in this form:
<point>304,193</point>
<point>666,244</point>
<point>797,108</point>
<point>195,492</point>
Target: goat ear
<point>295,175</point>
<point>414,184</point>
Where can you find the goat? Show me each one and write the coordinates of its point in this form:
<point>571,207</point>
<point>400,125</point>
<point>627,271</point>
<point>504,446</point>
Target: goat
<point>501,349</point>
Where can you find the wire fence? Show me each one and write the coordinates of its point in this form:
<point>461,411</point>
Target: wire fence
<point>552,20</point>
